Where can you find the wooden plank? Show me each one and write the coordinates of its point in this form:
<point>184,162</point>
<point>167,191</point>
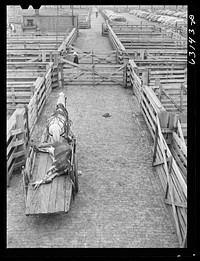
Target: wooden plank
<point>157,105</point>
<point>60,196</point>
<point>179,153</point>
<point>178,204</point>
<point>42,165</point>
<point>68,193</point>
<point>180,132</point>
<point>14,144</point>
<point>18,100</point>
<point>30,193</point>
<point>168,72</point>
<point>179,163</point>
<point>18,93</point>
<point>149,112</point>
<point>52,197</point>
<point>45,191</point>
<point>148,124</point>
<point>181,144</point>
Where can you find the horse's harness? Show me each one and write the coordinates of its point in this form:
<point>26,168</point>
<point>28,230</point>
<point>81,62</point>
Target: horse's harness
<point>57,118</point>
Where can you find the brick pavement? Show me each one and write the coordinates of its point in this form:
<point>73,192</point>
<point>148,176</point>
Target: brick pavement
<point>120,202</point>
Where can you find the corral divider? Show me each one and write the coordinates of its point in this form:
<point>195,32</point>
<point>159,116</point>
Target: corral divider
<point>166,132</point>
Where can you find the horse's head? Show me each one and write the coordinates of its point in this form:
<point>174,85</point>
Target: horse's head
<point>60,106</point>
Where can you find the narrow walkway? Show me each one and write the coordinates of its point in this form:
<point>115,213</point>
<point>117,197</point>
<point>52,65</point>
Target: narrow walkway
<point>92,39</point>
<point>120,202</point>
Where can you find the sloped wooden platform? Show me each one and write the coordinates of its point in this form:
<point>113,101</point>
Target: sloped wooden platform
<point>54,197</point>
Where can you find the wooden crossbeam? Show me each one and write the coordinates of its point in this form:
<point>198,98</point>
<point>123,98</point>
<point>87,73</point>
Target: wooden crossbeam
<point>92,69</point>
<point>70,63</point>
<point>78,66</point>
<point>160,162</point>
<point>85,54</point>
<point>108,77</point>
<point>168,96</point>
<point>176,203</point>
<point>35,59</point>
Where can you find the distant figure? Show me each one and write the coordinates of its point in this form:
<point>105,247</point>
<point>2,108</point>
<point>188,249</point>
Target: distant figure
<point>12,28</point>
<point>96,14</point>
<point>145,55</point>
<point>75,58</point>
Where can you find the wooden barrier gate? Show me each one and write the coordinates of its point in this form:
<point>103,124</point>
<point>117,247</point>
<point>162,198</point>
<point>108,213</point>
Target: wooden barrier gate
<point>93,68</point>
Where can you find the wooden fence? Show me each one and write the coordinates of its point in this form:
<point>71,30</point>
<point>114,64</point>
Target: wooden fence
<point>166,132</point>
<point>141,42</point>
<point>117,45</point>
<point>22,79</point>
<point>68,40</point>
<point>37,79</point>
<point>34,47</point>
<point>21,123</point>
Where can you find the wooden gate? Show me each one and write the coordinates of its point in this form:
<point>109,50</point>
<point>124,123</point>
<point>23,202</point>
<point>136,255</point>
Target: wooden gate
<point>93,69</point>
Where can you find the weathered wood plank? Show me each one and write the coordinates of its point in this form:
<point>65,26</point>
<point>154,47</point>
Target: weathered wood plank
<point>60,195</point>
<point>45,191</point>
<point>52,197</point>
<point>68,193</point>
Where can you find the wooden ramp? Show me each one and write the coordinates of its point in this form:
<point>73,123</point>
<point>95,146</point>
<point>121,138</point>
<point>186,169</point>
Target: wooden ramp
<point>54,197</point>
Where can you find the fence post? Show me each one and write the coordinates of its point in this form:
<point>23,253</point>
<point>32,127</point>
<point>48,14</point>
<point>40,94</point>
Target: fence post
<point>43,56</point>
<point>56,67</point>
<point>145,76</point>
<point>164,124</point>
<point>181,98</point>
<point>32,89</point>
<point>20,125</point>
<point>50,57</point>
<point>155,145</point>
<point>61,75</point>
<point>27,123</point>
<point>125,76</point>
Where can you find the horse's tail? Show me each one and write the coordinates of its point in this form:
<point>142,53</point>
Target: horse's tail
<point>55,131</point>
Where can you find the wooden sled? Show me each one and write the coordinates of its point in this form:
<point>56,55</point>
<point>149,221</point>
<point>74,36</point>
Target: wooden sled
<point>54,197</point>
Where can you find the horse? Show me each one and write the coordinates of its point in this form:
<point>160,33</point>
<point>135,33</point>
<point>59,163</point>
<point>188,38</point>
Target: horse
<point>58,126</point>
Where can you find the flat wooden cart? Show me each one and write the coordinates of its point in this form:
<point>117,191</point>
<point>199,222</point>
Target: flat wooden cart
<point>54,197</point>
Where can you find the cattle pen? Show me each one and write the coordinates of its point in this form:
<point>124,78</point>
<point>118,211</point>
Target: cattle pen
<point>127,99</point>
